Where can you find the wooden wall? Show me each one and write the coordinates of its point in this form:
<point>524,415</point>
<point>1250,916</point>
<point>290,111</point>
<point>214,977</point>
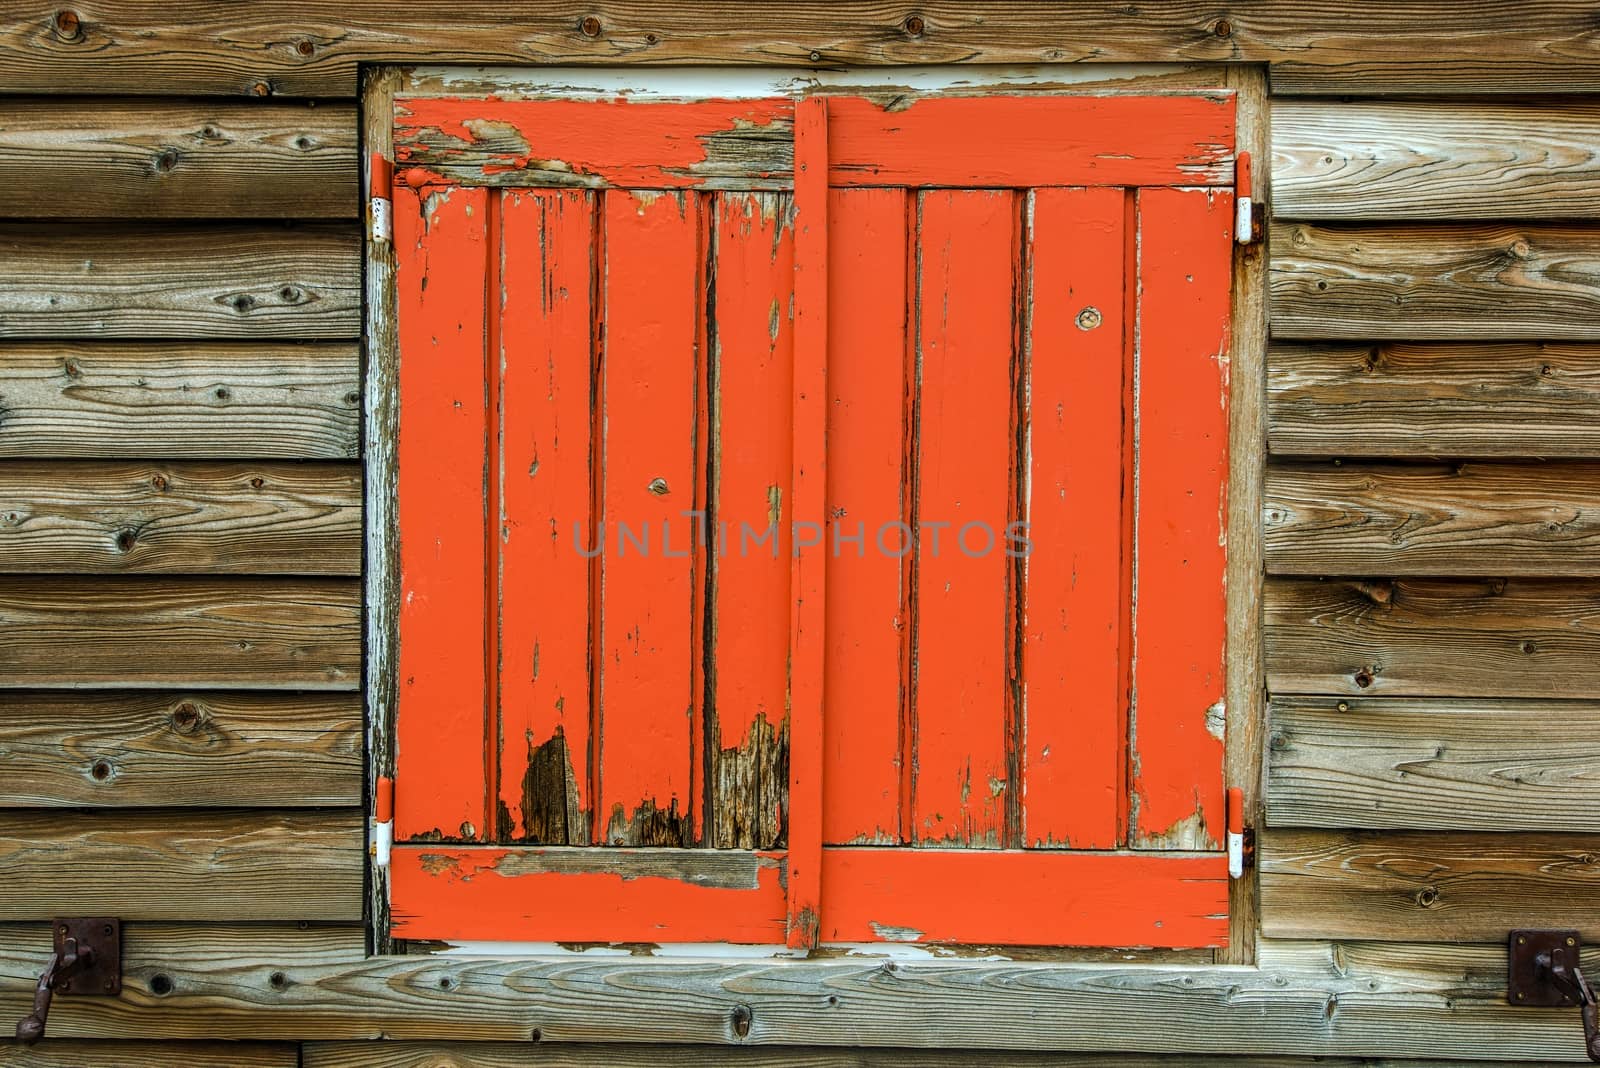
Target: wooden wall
<point>181,529</point>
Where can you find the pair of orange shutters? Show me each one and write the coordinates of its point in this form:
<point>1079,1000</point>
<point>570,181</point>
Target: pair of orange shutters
<point>951,318</point>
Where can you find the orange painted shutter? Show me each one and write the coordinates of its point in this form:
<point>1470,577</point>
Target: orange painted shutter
<point>836,559</point>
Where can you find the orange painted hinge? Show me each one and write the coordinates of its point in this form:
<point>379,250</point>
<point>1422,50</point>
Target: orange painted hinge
<point>1235,832</point>
<point>382,821</point>
<point>1245,228</point>
<point>380,179</point>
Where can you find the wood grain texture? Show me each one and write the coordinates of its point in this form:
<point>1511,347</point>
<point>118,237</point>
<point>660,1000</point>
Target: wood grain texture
<point>1465,519</point>
<point>1396,1001</point>
<point>1246,689</point>
<point>212,865</point>
<point>114,750</point>
<point>517,1055</point>
<point>163,400</point>
<point>1392,763</point>
<point>1374,160</point>
<point>274,518</point>
<point>1413,886</point>
<point>73,281</point>
<point>1453,399</point>
<point>111,158</point>
<point>1435,281</point>
<point>1434,638</point>
<point>74,1053</point>
<point>313,47</point>
<point>135,632</point>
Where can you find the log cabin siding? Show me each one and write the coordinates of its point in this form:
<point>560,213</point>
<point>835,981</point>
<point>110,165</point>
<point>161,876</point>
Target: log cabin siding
<point>184,712</point>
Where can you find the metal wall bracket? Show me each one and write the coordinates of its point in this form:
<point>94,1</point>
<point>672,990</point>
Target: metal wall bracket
<point>1542,971</point>
<point>87,962</point>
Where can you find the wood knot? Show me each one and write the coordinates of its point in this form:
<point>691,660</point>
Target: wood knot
<point>914,25</point>
<point>126,539</point>
<point>1528,648</point>
<point>100,771</point>
<point>304,47</point>
<point>1363,678</point>
<point>741,1020</point>
<point>185,717</point>
<point>68,26</point>
<point>1222,28</point>
<point>166,161</point>
<point>261,89</point>
<point>651,39</point>
<point>590,26</point>
<point>159,481</point>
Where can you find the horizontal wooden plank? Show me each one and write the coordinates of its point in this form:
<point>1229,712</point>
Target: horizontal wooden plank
<point>66,750</point>
<point>263,518</point>
<point>1395,1001</point>
<point>588,895</point>
<point>1416,886</point>
<point>77,1052</point>
<point>1024,897</point>
<point>1043,140</point>
<point>313,47</point>
<point>1440,638</point>
<point>710,144</point>
<point>1452,399</point>
<point>161,400</point>
<point>1372,160</point>
<point>1431,519</point>
<point>248,864</point>
<point>1431,281</point>
<point>516,1055</point>
<point>189,281</point>
<point>147,632</point>
<point>1396,763</point>
<point>109,158</point>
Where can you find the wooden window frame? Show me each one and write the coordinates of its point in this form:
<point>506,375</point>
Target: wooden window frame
<point>1244,699</point>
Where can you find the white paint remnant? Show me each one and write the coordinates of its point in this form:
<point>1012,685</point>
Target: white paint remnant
<point>1217,720</point>
<point>890,933</point>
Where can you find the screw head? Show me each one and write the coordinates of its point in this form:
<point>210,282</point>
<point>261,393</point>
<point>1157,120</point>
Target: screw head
<point>1089,318</point>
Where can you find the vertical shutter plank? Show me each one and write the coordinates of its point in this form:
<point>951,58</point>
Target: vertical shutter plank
<point>808,566</point>
<point>1185,249</point>
<point>652,285</point>
<point>546,337</point>
<point>753,423</point>
<point>966,254</point>
<point>441,245</point>
<point>1073,669</point>
<point>866,615</point>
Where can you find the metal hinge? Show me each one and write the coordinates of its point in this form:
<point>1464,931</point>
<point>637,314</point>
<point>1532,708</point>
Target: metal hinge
<point>1239,845</point>
<point>1542,971</point>
<point>87,962</point>
<point>382,821</point>
<point>380,184</point>
<point>1248,214</point>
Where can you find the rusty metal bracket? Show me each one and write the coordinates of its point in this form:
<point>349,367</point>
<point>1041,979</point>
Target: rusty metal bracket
<point>1542,971</point>
<point>87,962</point>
